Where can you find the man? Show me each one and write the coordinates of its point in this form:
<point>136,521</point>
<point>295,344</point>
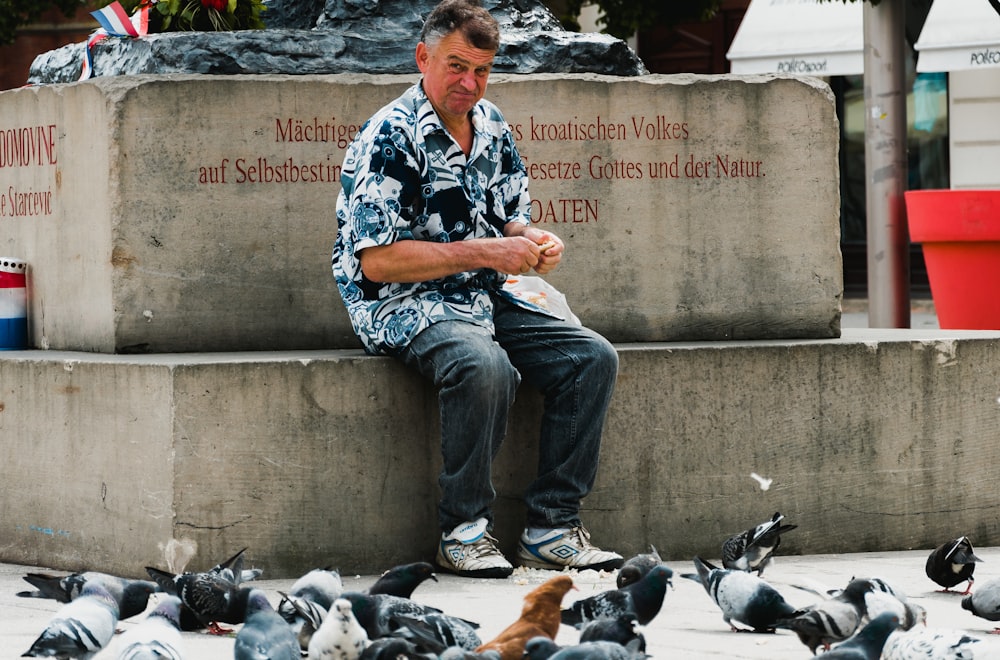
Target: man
<point>433,216</point>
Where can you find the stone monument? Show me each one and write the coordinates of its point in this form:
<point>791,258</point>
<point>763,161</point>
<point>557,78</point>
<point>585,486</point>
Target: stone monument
<point>202,378</point>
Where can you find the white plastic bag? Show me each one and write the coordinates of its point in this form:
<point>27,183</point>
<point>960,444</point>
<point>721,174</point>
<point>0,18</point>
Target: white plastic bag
<point>541,294</point>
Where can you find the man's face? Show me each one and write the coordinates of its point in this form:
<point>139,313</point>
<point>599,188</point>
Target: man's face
<point>455,75</point>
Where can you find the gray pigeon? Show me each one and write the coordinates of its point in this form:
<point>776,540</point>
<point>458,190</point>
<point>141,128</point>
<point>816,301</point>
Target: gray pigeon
<point>132,596</point>
<point>640,600</point>
<point>395,648</point>
<point>305,605</point>
<point>340,636</point>
<point>80,629</point>
<point>867,643</point>
<point>829,621</point>
<point>951,563</point>
<point>636,567</point>
<point>753,549</point>
<point>908,612</point>
<point>157,637</point>
<point>402,580</point>
<point>623,630</point>
<point>210,596</point>
<point>264,634</point>
<point>937,644</point>
<point>543,648</point>
<point>306,618</point>
<point>984,602</point>
<point>744,597</point>
<point>381,614</point>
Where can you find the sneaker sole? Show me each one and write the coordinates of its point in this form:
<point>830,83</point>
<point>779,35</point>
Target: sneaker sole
<point>609,565</point>
<point>498,572</point>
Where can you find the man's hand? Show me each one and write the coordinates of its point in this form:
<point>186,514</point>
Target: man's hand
<point>548,246</point>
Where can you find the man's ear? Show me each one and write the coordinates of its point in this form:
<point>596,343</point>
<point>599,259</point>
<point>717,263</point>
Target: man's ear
<point>423,55</point>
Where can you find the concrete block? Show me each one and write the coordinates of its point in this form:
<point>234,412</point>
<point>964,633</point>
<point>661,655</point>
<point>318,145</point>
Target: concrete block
<point>195,213</point>
<point>879,440</point>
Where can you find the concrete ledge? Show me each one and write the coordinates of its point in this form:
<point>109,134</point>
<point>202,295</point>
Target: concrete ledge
<point>875,441</point>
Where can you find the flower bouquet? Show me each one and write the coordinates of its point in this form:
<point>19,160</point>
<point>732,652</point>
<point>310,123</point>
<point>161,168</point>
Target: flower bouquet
<point>199,15</point>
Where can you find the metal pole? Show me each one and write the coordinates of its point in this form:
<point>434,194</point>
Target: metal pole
<point>885,165</point>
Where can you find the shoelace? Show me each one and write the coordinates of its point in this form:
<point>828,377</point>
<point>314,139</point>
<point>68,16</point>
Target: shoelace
<point>582,537</point>
<point>485,546</point>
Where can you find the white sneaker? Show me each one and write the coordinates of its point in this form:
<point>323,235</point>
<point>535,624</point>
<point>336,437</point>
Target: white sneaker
<point>469,551</point>
<point>566,548</point>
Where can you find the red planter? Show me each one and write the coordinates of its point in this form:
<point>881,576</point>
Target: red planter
<point>960,234</point>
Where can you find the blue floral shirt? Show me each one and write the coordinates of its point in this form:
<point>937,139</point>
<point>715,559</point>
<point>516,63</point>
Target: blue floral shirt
<point>405,178</point>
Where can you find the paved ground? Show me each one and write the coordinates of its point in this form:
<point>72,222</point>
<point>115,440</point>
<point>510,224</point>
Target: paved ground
<point>689,626</point>
<point>922,314</point>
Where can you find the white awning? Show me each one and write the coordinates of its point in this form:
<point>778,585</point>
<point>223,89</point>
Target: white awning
<point>803,37</point>
<point>959,35</point>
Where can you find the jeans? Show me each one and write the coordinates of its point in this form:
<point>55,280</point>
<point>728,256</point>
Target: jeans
<point>477,375</point>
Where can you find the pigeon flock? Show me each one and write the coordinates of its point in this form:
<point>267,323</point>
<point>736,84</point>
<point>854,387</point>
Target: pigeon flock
<point>567,615</point>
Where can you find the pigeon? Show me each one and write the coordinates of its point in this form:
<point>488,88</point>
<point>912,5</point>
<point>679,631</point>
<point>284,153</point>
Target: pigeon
<point>984,602</point>
<point>543,648</point>
<point>623,629</point>
<point>936,644</point>
<point>744,597</point>
<point>402,580</point>
<point>157,637</point>
<point>132,596</point>
<point>340,636</point>
<point>880,600</point>
<point>540,648</point>
<point>753,549</point>
<point>434,632</point>
<point>305,618</point>
<point>80,628</point>
<point>211,597</point>
<point>951,563</point>
<point>311,596</point>
<point>540,616</point>
<point>457,653</point>
<point>825,623</point>
<point>636,567</point>
<point>264,633</point>
<point>867,643</point>
<point>393,648</point>
<point>320,585</point>
<point>641,600</point>
<point>380,614</point>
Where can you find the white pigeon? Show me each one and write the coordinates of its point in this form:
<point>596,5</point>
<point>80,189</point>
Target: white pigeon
<point>81,628</point>
<point>157,637</point>
<point>340,636</point>
<point>937,644</point>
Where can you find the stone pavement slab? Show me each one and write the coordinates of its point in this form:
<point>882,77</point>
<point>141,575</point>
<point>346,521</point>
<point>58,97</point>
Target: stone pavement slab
<point>689,626</point>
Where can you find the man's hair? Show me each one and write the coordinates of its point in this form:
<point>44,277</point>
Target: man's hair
<point>469,18</point>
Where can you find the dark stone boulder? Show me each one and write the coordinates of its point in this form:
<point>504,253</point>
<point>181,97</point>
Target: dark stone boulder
<point>351,36</point>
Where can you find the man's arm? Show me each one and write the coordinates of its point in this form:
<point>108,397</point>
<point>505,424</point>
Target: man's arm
<point>420,261</point>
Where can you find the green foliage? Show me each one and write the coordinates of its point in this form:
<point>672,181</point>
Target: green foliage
<point>16,13</point>
<point>200,15</point>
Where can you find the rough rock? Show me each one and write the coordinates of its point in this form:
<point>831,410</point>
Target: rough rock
<point>350,36</point>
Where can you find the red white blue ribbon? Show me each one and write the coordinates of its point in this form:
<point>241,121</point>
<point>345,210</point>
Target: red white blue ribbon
<point>115,22</point>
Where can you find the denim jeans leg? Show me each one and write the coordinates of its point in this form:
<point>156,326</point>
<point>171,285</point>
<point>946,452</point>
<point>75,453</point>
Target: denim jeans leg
<point>575,370</point>
<point>476,385</point>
